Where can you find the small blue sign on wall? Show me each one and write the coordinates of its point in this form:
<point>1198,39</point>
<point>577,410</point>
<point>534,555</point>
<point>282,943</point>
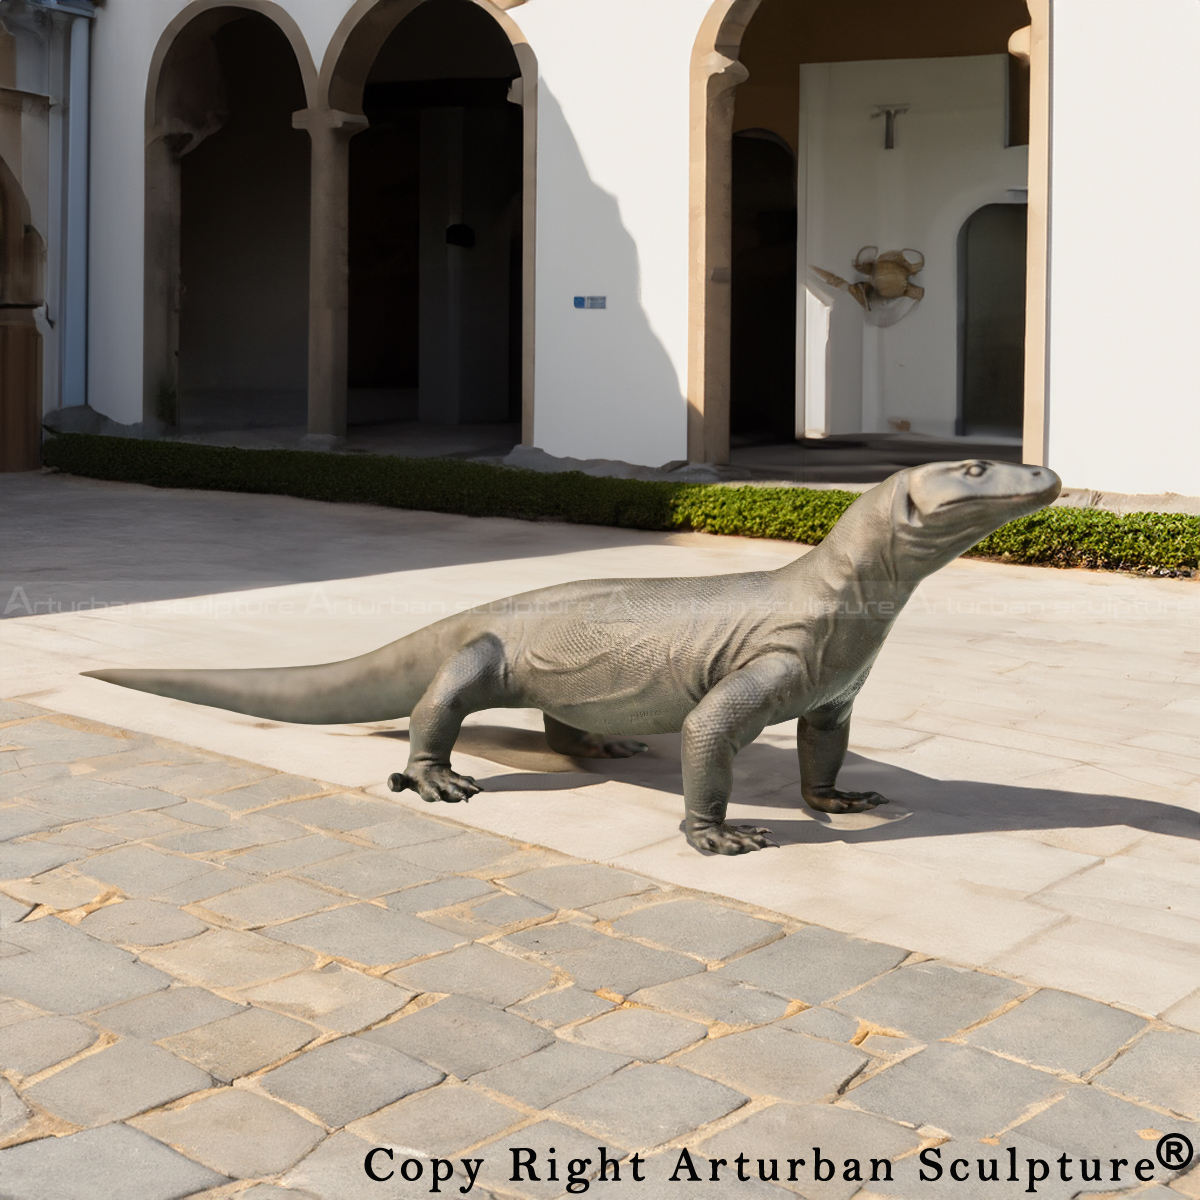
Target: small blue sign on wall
<point>591,301</point>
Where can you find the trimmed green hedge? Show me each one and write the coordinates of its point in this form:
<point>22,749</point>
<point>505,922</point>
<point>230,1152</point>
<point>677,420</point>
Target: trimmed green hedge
<point>1162,543</point>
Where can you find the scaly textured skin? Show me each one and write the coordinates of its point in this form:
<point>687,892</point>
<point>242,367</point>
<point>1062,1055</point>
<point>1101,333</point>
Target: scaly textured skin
<point>718,657</point>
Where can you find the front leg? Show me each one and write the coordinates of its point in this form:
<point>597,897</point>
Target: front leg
<point>471,680</point>
<point>577,743</point>
<point>731,716</point>
<point>821,740</point>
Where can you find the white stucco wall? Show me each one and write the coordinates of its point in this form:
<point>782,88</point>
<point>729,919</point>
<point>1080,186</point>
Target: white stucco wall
<point>949,160</point>
<point>612,221</point>
<point>1124,404</point>
<point>612,213</point>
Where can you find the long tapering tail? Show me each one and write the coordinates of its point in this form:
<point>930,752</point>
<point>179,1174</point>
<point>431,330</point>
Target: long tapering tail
<point>367,688</point>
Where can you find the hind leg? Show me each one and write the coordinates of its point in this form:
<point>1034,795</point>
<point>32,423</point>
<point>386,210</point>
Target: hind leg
<point>822,736</point>
<point>469,681</point>
<point>576,743</point>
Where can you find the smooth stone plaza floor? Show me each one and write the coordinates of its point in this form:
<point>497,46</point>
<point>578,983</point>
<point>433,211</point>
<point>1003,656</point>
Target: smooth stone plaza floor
<point>1035,729</point>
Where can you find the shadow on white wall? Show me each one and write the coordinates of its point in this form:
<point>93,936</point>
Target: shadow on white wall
<point>606,385</point>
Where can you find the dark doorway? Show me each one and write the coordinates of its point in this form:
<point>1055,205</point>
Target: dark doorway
<point>762,366</point>
<point>991,267</point>
<point>244,191</point>
<point>435,226</point>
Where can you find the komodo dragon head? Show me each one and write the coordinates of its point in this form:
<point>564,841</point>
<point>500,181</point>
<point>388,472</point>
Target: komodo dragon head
<point>941,509</point>
<point>923,517</point>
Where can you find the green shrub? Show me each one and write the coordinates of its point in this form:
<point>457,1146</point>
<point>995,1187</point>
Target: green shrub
<point>1059,537</point>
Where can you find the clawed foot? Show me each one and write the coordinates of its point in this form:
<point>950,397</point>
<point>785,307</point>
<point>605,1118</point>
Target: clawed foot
<point>596,745</point>
<point>830,800</point>
<point>435,782</point>
<point>729,839</point>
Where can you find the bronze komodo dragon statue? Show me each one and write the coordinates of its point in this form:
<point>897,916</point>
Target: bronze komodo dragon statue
<point>719,657</point>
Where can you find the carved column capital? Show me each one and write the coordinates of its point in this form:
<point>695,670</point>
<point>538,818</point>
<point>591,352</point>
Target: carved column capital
<point>334,120</point>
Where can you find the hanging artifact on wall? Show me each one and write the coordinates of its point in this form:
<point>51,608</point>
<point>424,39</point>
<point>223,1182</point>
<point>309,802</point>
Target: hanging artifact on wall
<point>887,294</point>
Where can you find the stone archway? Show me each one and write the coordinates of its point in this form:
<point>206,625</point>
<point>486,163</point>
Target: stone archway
<point>339,114</point>
<point>717,70</point>
<point>247,252</point>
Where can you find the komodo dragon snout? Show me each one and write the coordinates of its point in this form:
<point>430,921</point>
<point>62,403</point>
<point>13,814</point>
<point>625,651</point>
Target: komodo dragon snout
<point>718,657</point>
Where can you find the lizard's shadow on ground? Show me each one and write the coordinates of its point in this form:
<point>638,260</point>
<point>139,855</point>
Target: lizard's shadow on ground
<point>767,776</point>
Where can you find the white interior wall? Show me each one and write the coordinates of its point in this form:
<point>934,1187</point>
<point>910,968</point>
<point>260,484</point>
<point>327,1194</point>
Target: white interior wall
<point>612,213</point>
<point>1122,406</point>
<point>949,160</point>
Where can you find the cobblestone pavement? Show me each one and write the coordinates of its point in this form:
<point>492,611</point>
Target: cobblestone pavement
<point>221,980</point>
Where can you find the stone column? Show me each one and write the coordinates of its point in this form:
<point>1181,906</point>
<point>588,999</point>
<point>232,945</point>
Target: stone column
<point>715,74</point>
<point>328,257</point>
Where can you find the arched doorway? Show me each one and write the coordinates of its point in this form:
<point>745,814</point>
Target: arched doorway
<point>991,291</point>
<point>426,154</point>
<point>227,224</point>
<point>750,65</point>
<point>435,227</point>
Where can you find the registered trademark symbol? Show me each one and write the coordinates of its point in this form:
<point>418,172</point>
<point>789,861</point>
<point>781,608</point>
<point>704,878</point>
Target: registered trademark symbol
<point>1174,1151</point>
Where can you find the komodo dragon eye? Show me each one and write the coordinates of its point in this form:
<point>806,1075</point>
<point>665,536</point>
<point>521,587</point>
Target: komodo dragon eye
<point>975,470</point>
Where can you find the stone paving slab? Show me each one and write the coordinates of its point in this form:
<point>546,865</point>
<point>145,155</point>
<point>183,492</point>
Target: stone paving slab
<point>549,1074</point>
<point>240,1044</point>
<point>1104,1127</point>
<point>1162,1068</point>
<point>62,970</point>
<point>462,1036</point>
<point>271,902</point>
<point>1059,1031</point>
<point>701,927</point>
<point>367,874</point>
<point>161,1014</point>
<point>778,1063</point>
<point>575,1154</point>
<point>958,1089</point>
<point>640,1033</point>
<point>814,964</point>
<point>28,1047</point>
<point>228,958</point>
<point>477,971</point>
<point>648,1104</point>
<point>236,1132</point>
<point>111,1163</point>
<point>334,997</point>
<point>930,1000</point>
<point>784,1131</point>
<point>712,997</point>
<point>140,923</point>
<point>772,1040</point>
<point>117,1082</point>
<point>595,961</point>
<point>365,933</point>
<point>443,1122</point>
<point>347,1079</point>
